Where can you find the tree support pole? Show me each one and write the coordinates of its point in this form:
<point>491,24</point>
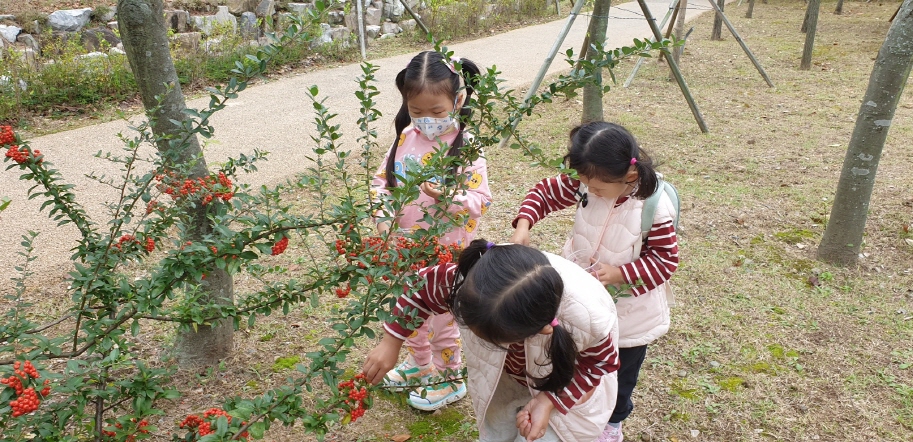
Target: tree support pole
<point>673,10</point>
<point>744,46</point>
<point>678,7</point>
<point>674,67</point>
<point>578,5</point>
<point>415,17</point>
<point>361,28</point>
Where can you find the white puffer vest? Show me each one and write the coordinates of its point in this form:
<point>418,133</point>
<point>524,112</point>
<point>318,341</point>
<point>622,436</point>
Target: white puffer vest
<point>589,314</point>
<point>612,235</point>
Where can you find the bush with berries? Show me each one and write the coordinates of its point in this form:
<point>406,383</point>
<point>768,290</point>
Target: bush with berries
<point>104,390</point>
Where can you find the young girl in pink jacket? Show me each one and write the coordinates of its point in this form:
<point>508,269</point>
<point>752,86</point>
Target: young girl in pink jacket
<point>435,94</point>
<point>614,177</point>
<point>539,335</point>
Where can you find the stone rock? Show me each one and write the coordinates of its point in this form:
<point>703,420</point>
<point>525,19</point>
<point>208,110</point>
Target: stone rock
<point>116,51</point>
<point>7,17</point>
<point>109,15</point>
<point>390,28</point>
<point>188,41</point>
<point>30,58</point>
<point>29,42</point>
<point>372,31</point>
<point>373,16</point>
<point>210,23</point>
<point>340,33</point>
<point>266,8</point>
<point>299,8</point>
<point>408,25</point>
<point>335,17</point>
<point>378,4</point>
<point>238,7</point>
<point>177,20</point>
<point>9,33</point>
<point>7,83</point>
<point>91,38</point>
<point>71,20</point>
<point>325,38</point>
<point>92,56</point>
<point>213,46</point>
<point>386,36</point>
<point>393,9</point>
<point>112,25</point>
<point>2,44</point>
<point>249,28</point>
<point>351,22</point>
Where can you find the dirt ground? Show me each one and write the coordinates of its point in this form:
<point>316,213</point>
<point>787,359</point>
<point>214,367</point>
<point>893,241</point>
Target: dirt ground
<point>767,343</point>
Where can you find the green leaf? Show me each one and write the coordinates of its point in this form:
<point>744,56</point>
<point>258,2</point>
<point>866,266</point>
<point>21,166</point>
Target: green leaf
<point>257,429</point>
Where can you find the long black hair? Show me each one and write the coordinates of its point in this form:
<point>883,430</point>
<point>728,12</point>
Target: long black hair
<point>430,72</point>
<point>507,293</point>
<point>604,151</point>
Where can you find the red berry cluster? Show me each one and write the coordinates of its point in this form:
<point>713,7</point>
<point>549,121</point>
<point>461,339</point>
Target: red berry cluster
<point>355,397</point>
<point>6,135</point>
<point>22,381</point>
<point>15,152</point>
<point>202,426</point>
<point>342,292</point>
<point>280,246</point>
<point>218,187</point>
<point>392,252</point>
<point>140,429</point>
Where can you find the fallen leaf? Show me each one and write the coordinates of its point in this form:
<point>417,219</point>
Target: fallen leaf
<point>295,325</point>
<point>813,281</point>
<point>401,438</point>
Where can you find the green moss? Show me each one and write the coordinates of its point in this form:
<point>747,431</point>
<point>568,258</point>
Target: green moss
<point>439,426</point>
<point>730,383</point>
<point>286,363</point>
<point>795,236</point>
<point>681,388</point>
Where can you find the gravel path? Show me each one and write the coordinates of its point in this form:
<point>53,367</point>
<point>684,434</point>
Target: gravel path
<point>277,117</point>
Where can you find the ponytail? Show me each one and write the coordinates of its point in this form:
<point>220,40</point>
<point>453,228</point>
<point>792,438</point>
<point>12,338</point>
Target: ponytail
<point>562,352</point>
<point>647,181</point>
<point>400,123</point>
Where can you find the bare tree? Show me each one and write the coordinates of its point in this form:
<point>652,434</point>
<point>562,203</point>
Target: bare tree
<point>750,10</point>
<point>843,237</point>
<point>839,9</point>
<point>592,93</point>
<point>679,32</point>
<point>145,38</point>
<point>812,18</point>
<point>716,34</point>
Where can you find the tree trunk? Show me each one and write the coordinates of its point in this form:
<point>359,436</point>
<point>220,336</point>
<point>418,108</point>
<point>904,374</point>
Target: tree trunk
<point>592,93</point>
<point>750,10</point>
<point>716,34</point>
<point>145,38</point>
<point>804,27</point>
<point>843,237</point>
<point>679,32</point>
<point>839,9</point>
<point>812,15</point>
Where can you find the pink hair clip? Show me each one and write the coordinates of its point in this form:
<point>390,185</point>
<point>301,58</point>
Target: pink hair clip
<point>554,322</point>
<point>633,161</point>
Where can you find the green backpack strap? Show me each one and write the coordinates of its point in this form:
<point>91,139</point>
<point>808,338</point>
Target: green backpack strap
<point>649,209</point>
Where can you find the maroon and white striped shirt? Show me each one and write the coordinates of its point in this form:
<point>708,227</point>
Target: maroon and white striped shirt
<point>658,257</point>
<point>592,363</point>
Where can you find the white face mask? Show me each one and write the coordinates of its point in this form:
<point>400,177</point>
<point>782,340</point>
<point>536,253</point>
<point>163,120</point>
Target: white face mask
<point>433,128</point>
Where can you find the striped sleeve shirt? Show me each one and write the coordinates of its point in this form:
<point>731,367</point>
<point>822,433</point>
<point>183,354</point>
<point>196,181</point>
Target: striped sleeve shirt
<point>431,299</point>
<point>592,364</point>
<point>658,257</point>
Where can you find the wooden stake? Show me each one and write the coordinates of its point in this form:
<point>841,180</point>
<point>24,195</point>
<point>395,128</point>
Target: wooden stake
<point>738,38</point>
<point>674,67</point>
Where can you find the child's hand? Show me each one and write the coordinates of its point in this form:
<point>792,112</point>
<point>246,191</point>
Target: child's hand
<point>382,358</point>
<point>532,420</point>
<point>607,274</point>
<point>521,233</point>
<point>431,189</point>
<point>383,228</point>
